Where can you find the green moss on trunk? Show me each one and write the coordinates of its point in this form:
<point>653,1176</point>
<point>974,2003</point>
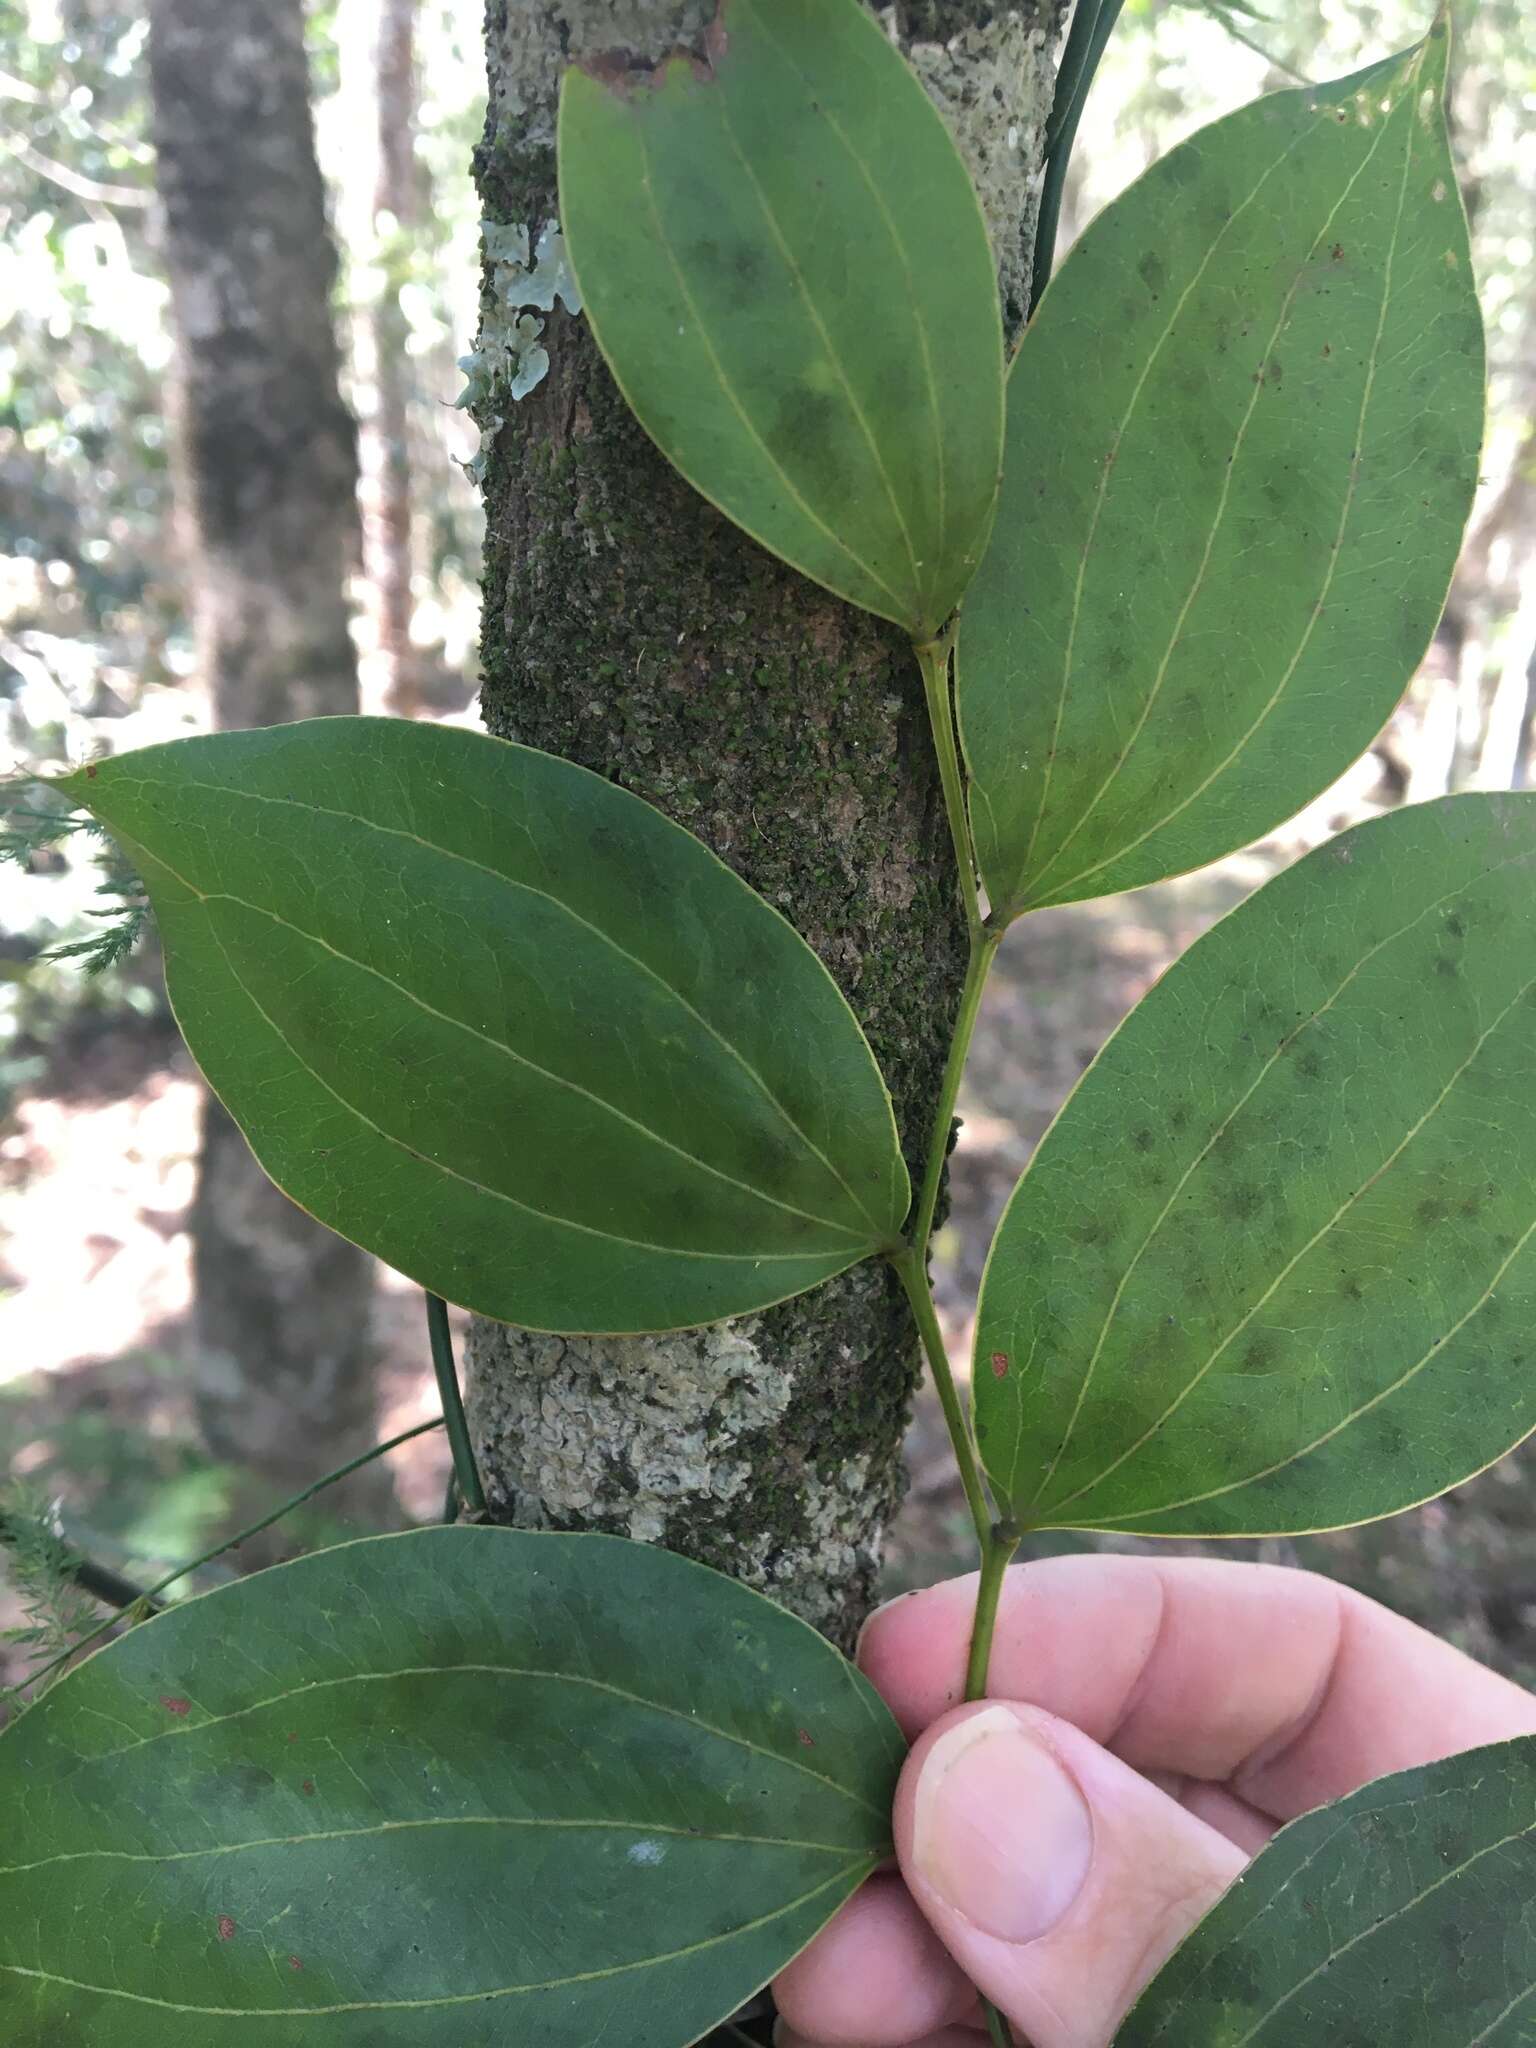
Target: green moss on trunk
<point>630,627</point>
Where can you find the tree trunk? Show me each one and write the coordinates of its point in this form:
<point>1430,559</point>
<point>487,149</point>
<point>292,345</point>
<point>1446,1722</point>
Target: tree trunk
<point>268,473</point>
<point>377,43</point>
<point>629,626</point>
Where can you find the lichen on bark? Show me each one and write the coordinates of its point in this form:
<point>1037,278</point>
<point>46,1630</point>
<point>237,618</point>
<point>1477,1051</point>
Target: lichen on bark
<point>630,627</point>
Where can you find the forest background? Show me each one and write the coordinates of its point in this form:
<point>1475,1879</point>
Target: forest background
<point>139,1405</point>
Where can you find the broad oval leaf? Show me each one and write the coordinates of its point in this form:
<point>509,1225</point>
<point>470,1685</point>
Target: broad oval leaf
<point>1273,1268</point>
<point>506,1025</point>
<point>786,267</point>
<point>449,1789</point>
<point>1243,435</point>
<point>1399,1915</point>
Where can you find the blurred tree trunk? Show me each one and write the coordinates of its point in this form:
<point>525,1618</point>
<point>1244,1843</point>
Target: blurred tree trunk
<point>627,625</point>
<point>268,473</point>
<point>377,43</point>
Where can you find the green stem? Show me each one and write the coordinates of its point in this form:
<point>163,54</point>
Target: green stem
<point>933,660</point>
<point>995,1541</point>
<point>1069,72</point>
<point>984,945</point>
<point>1080,60</point>
<point>912,1271</point>
<point>998,2032</point>
<point>465,1471</point>
<point>996,1555</point>
<point>241,1536</point>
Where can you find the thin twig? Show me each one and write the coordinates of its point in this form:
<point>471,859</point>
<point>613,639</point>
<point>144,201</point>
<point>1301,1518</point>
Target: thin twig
<point>1079,62</point>
<point>465,1471</point>
<point>99,1580</point>
<point>241,1536</point>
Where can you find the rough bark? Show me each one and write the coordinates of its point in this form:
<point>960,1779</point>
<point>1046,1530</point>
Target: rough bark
<point>630,627</point>
<point>268,472</point>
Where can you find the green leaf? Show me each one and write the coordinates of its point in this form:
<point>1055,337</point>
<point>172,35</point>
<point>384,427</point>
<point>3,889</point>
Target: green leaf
<point>1243,434</point>
<point>449,1789</point>
<point>1401,1914</point>
<point>785,264</point>
<point>505,1025</point>
<point>1273,1268</point>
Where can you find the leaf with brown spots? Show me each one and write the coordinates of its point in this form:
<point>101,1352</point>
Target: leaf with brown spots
<point>1233,493</point>
<point>584,1790</point>
<point>1396,1918</point>
<point>787,269</point>
<point>1321,1309</point>
<point>506,1025</point>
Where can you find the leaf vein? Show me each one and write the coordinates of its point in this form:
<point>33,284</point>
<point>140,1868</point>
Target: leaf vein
<point>733,1052</point>
<point>452,1998</point>
<point>468,1180</point>
<point>1223,500</point>
<point>900,615</point>
<point>1355,1195</point>
<point>1336,556</point>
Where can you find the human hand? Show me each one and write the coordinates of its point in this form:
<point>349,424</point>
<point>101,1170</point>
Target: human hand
<point>1151,1724</point>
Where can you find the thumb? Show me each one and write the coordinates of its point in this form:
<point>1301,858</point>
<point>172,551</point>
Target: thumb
<point>1058,1878</point>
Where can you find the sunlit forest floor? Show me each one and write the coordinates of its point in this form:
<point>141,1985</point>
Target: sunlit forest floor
<point>96,1175</point>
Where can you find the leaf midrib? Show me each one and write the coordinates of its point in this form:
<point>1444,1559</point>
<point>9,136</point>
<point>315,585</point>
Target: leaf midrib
<point>1107,470</point>
<point>746,1256</point>
<point>184,1730</point>
<point>1409,1374</point>
<point>272,2014</point>
<point>882,206</point>
<point>1377,1926</point>
<point>1356,1194</point>
<point>645,1828</point>
<point>1265,1069</point>
<point>1334,555</point>
<point>902,613</point>
<point>521,1059</point>
<point>643,966</point>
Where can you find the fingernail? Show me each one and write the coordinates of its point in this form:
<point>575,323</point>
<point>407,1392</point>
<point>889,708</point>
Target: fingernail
<point>1000,1830</point>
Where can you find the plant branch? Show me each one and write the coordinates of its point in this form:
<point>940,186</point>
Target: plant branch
<point>152,1593</point>
<point>1091,25</point>
<point>984,945</point>
<point>465,1471</point>
<point>99,1580</point>
<point>995,1541</point>
<point>933,660</point>
<point>1241,35</point>
<point>998,2032</point>
<point>1003,1540</point>
<point>912,1271</point>
<point>91,190</point>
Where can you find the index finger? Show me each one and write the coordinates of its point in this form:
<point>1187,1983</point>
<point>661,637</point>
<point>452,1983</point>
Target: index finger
<point>1288,1687</point>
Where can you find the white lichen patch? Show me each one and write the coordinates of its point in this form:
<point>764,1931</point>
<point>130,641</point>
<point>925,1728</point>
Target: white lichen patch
<point>636,1434</point>
<point>993,86</point>
<point>620,1431</point>
<point>838,1547</point>
<point>509,358</point>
